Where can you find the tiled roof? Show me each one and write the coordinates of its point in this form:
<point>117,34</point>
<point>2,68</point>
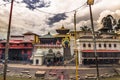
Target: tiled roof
<point>47,36</point>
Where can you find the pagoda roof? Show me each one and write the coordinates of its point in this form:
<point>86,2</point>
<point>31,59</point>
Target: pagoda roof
<point>16,41</point>
<point>62,30</point>
<point>86,37</point>
<point>30,33</point>
<point>61,35</point>
<point>47,36</point>
<point>17,36</point>
<point>79,31</point>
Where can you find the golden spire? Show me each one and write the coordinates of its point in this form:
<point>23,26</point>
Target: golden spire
<point>62,27</point>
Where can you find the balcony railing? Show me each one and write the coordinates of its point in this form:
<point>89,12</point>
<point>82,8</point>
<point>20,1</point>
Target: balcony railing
<point>48,46</point>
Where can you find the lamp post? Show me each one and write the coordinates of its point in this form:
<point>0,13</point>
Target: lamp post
<point>76,50</point>
<point>7,43</point>
<point>91,2</point>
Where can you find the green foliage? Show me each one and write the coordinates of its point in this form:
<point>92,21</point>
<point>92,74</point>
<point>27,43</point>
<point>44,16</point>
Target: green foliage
<point>85,29</point>
<point>108,21</point>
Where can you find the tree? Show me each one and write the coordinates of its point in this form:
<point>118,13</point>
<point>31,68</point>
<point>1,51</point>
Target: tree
<point>117,25</point>
<point>85,29</point>
<point>108,22</point>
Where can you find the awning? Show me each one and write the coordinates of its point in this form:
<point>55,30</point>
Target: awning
<point>100,51</point>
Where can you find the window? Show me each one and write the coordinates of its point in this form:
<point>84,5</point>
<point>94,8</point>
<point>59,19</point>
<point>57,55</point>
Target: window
<point>109,45</point>
<point>115,45</point>
<point>99,45</point>
<point>89,45</point>
<point>84,45</point>
<point>104,45</point>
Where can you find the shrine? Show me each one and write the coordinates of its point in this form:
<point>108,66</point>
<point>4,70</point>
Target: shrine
<point>46,51</point>
<point>64,38</point>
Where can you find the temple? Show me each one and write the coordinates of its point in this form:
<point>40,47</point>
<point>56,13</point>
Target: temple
<point>20,47</point>
<point>55,49</point>
<point>64,37</point>
<point>52,48</point>
<point>47,50</point>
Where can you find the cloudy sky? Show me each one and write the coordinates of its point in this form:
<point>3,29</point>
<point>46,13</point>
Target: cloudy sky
<point>41,16</point>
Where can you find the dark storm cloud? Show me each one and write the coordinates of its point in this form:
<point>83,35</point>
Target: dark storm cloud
<point>56,18</point>
<point>82,18</point>
<point>33,4</point>
<point>86,17</point>
<point>6,0</point>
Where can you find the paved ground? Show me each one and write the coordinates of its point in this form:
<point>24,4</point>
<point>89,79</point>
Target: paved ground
<point>16,69</point>
<point>45,67</point>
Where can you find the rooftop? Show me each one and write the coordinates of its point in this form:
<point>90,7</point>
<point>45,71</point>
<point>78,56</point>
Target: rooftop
<point>47,36</point>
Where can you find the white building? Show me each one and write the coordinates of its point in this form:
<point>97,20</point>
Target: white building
<point>38,57</point>
<point>42,50</point>
<point>107,48</point>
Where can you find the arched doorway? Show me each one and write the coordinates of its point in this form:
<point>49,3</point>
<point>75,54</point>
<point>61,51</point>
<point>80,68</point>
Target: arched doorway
<point>37,61</point>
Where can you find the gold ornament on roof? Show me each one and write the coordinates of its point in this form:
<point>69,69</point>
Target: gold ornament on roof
<point>90,2</point>
<point>66,42</point>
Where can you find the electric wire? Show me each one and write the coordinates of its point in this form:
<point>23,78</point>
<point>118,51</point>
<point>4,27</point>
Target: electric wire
<point>61,12</point>
<point>76,9</point>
